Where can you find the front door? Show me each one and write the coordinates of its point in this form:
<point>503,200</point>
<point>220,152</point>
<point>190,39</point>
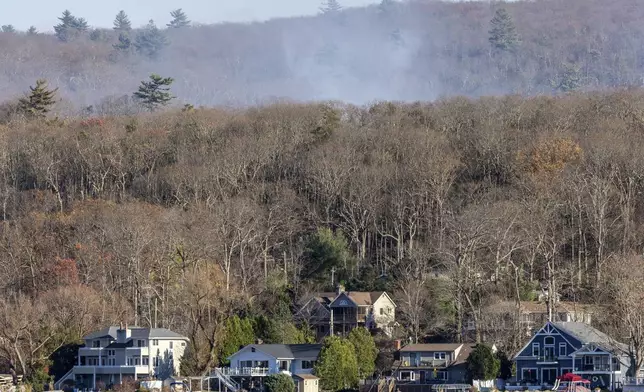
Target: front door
<point>548,376</point>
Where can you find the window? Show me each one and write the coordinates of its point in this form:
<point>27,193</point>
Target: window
<point>283,365</point>
<point>382,311</point>
<point>140,343</point>
<point>307,364</point>
<point>441,375</point>
<point>529,374</point>
<point>155,361</point>
<point>183,344</point>
<point>535,349</point>
<point>96,343</point>
<point>146,361</point>
<point>92,361</point>
<point>407,376</point>
<point>155,342</point>
<point>588,360</point>
<point>112,361</point>
<point>171,344</point>
<point>549,341</point>
<point>562,349</point>
<point>439,355</point>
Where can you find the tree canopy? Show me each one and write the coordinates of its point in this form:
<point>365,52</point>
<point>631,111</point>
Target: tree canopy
<point>337,365</point>
<point>482,364</point>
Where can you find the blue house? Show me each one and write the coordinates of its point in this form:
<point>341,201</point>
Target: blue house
<point>570,347</point>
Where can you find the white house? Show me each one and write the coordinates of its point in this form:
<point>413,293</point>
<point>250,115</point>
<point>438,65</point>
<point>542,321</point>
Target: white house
<point>115,353</point>
<point>249,365</point>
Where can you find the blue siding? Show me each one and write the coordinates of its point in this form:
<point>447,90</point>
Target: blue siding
<point>546,356</point>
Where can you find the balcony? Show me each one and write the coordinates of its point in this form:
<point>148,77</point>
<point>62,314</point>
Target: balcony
<point>111,369</point>
<point>547,359</point>
<point>248,371</point>
<point>596,367</point>
<point>427,363</point>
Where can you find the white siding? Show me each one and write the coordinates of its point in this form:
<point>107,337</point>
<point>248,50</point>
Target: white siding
<point>247,355</point>
<point>384,311</point>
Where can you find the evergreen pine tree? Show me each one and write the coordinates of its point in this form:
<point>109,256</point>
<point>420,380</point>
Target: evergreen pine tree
<point>39,101</point>
<point>330,6</point>
<point>150,41</point>
<point>122,22</point>
<point>98,35</point>
<point>8,29</point>
<point>180,19</point>
<point>32,30</point>
<point>154,93</point>
<point>124,44</point>
<point>503,33</point>
<point>70,26</point>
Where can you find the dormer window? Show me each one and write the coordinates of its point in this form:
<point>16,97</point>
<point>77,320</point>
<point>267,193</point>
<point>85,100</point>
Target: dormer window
<point>549,341</point>
<point>96,343</point>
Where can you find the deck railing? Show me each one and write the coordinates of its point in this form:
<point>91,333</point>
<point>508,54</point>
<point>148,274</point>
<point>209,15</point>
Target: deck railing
<point>633,380</point>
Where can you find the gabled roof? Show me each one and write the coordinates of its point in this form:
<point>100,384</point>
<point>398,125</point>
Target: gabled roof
<point>286,351</point>
<point>360,298</point>
<point>431,347</point>
<point>137,333</point>
<point>582,332</point>
<point>587,334</point>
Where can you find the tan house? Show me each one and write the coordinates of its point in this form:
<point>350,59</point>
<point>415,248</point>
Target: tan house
<point>306,383</point>
<point>337,313</point>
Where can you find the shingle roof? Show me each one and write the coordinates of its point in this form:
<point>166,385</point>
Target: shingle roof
<point>587,334</point>
<point>431,347</point>
<point>361,298</point>
<point>137,333</point>
<point>306,376</point>
<point>289,351</point>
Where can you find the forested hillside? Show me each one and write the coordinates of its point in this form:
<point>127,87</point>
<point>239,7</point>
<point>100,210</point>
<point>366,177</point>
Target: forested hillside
<point>189,217</point>
<point>396,51</point>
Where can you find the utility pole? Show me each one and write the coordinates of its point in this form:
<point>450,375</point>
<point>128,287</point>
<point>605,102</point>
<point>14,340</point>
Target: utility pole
<point>332,276</point>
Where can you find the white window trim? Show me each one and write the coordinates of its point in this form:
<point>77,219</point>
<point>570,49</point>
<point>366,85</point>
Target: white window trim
<point>438,355</point>
<point>538,347</point>
<point>549,344</point>
<point>536,371</point>
<point>565,349</point>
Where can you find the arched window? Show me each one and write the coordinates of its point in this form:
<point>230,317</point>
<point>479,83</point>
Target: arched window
<point>549,341</point>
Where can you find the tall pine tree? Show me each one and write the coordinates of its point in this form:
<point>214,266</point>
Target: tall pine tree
<point>503,32</point>
<point>155,93</point>
<point>70,26</point>
<point>32,30</point>
<point>122,22</point>
<point>330,7</point>
<point>39,101</point>
<point>150,40</point>
<point>180,19</point>
<point>8,29</point>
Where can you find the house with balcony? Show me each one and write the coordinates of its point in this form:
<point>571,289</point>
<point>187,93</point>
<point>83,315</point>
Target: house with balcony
<point>571,347</point>
<point>435,363</point>
<point>250,365</point>
<point>115,353</point>
<point>337,313</point>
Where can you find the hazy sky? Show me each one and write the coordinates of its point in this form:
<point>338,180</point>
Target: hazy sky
<point>43,13</point>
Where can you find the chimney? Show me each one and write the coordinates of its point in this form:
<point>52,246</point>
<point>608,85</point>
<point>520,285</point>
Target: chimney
<point>397,344</point>
<point>339,289</point>
<point>123,333</point>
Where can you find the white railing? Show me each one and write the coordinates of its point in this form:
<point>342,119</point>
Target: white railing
<point>66,377</point>
<point>247,371</point>
<point>228,382</point>
<point>633,380</point>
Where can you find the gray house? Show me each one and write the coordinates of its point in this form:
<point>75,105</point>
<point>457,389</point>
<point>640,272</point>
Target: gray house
<point>438,363</point>
<point>570,347</point>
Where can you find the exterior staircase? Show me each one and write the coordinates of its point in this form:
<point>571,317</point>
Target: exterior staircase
<point>230,384</point>
<point>58,384</point>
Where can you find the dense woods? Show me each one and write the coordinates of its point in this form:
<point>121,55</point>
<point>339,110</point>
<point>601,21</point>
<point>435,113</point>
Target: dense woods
<point>417,50</point>
<point>215,222</point>
<point>183,219</point>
